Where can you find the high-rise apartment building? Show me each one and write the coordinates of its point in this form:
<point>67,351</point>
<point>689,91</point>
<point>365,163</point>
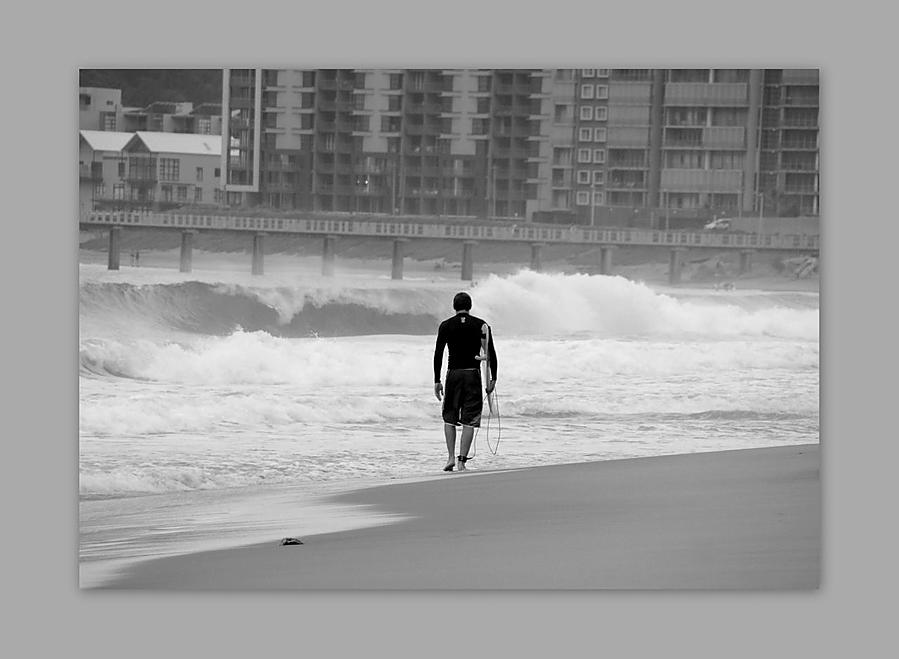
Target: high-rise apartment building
<point>559,144</point>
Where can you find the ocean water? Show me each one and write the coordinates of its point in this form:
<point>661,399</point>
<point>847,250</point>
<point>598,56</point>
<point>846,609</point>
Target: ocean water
<point>218,408</point>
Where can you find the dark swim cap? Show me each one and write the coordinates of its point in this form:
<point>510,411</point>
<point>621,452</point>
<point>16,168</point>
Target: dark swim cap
<point>462,301</point>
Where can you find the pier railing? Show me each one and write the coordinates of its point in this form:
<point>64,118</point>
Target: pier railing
<point>472,230</point>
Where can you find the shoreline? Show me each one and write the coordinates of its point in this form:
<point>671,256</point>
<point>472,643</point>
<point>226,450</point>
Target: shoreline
<point>741,519</point>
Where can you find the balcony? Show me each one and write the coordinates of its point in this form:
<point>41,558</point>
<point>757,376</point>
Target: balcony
<point>683,138</point>
<point>241,79</point>
<point>622,163</point>
<point>810,166</point>
<point>627,137</point>
<point>512,152</point>
<point>630,93</point>
<point>142,179</point>
<point>706,94</point>
<point>427,128</point>
<point>702,180</point>
<point>799,122</point>
<point>800,77</point>
<point>242,103</point>
<point>724,137</point>
<point>800,145</point>
<point>801,100</point>
<point>625,186</point>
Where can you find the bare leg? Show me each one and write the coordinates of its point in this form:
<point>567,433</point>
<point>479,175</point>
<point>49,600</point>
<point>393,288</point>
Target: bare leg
<point>465,444</point>
<point>449,431</point>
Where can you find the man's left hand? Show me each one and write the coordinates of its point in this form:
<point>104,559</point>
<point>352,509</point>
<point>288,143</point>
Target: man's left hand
<point>490,386</point>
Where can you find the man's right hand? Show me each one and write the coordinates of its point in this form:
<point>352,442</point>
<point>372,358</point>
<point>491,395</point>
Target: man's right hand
<point>438,390</point>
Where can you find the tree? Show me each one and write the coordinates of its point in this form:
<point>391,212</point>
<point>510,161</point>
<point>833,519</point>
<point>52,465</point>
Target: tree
<point>140,87</point>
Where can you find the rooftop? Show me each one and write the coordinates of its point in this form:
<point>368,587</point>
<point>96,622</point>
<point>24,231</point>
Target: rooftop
<point>186,143</point>
<point>106,140</point>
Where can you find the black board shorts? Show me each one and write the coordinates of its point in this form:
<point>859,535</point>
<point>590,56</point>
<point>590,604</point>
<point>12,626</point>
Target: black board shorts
<point>462,399</point>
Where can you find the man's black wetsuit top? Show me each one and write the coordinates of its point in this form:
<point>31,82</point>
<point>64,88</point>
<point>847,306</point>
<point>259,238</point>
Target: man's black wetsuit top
<point>462,333</point>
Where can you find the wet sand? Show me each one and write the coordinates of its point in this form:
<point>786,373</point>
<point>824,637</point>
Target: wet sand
<point>748,519</point>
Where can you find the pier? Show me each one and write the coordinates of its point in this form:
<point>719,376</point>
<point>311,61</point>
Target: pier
<point>469,233</point>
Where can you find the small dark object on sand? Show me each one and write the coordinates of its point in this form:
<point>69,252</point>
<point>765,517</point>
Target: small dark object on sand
<point>291,541</point>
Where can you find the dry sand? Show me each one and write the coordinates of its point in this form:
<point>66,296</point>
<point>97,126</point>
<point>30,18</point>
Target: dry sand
<point>747,519</point>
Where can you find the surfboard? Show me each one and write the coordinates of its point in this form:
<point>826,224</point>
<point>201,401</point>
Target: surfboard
<point>485,360</point>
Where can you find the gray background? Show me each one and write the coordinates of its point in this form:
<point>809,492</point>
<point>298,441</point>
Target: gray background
<point>45,612</point>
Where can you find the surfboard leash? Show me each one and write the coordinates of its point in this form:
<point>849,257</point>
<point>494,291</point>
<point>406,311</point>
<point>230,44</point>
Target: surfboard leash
<point>499,428</point>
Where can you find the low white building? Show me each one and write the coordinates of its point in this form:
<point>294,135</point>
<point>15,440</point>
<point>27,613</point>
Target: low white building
<point>101,167</point>
<point>165,170</point>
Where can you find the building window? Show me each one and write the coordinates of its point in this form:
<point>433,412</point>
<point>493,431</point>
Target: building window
<point>307,121</point>
<point>588,73</point>
<point>182,193</point>
<point>359,80</point>
<point>99,190</point>
<point>306,142</point>
<point>601,113</point>
<point>583,176</point>
<point>396,80</point>
<point>484,83</point>
<point>307,100</point>
<point>480,126</point>
<point>561,156</point>
<point>393,145</point>
<point>484,105</point>
<point>358,101</point>
<point>198,194</point>
<point>394,103</point>
<point>583,198</point>
<point>586,112</point>
<point>169,169</point>
<point>587,91</point>
<point>118,191</point>
<point>599,134</point>
<point>166,192</point>
<point>602,73</point>
<point>599,198</point>
<point>585,134</point>
<point>199,173</point>
<point>121,170</point>
<point>583,155</point>
<point>109,122</point>
<point>204,126</point>
<point>218,172</point>
<point>308,78</point>
<point>390,124</point>
<point>217,195</point>
<point>598,177</point>
<point>602,91</point>
<point>599,155</point>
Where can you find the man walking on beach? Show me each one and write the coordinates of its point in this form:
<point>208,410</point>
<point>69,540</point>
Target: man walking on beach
<point>470,340</point>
